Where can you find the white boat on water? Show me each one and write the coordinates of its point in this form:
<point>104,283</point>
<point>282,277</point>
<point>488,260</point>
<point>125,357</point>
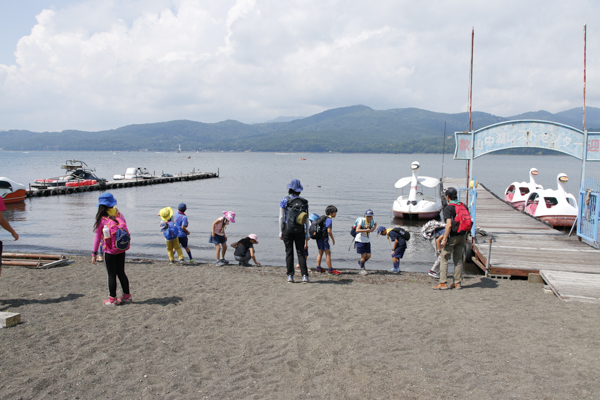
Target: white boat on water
<point>134,173</point>
<point>516,193</point>
<point>416,204</point>
<point>556,207</point>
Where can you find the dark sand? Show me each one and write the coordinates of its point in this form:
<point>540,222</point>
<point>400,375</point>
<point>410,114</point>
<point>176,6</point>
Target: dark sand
<point>202,331</point>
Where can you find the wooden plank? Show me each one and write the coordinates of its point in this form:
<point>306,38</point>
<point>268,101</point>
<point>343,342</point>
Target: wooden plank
<point>571,286</point>
<point>8,319</point>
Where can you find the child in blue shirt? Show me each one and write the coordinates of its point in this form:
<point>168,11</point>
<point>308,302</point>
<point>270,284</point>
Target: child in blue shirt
<point>398,246</point>
<point>170,231</point>
<point>181,221</point>
<point>323,244</point>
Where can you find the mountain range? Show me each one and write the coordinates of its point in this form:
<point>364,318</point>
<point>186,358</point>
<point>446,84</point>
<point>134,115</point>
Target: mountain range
<point>348,129</point>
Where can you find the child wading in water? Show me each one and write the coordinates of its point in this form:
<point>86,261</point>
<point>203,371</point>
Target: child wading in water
<point>398,245</point>
<point>218,237</point>
<point>108,220</point>
<point>364,226</point>
<point>181,221</point>
<point>170,231</point>
<point>323,244</point>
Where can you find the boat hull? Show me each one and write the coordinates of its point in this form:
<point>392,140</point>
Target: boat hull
<point>14,197</point>
<point>423,215</point>
<point>559,220</point>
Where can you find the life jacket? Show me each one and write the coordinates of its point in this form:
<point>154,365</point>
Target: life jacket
<point>462,223</point>
<point>120,239</point>
<point>296,214</point>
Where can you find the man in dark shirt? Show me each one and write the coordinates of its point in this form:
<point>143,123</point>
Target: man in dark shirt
<point>453,244</point>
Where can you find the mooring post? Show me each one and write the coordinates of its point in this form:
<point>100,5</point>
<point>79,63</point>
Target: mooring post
<point>487,261</point>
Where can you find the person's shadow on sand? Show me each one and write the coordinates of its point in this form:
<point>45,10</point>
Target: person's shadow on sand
<point>163,301</point>
<point>484,283</point>
<point>10,303</point>
<point>333,281</point>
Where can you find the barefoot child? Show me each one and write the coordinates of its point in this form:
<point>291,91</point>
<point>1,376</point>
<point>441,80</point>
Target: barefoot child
<point>364,226</point>
<point>170,231</point>
<point>323,244</point>
<point>218,237</point>
<point>398,236</point>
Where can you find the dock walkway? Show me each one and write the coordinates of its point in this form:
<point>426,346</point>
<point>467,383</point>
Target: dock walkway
<point>61,190</point>
<point>522,245</point>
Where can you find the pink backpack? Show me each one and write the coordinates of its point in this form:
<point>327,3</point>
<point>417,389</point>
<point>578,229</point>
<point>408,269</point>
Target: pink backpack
<point>120,239</point>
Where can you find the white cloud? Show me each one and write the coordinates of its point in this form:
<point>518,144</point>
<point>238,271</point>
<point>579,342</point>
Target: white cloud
<point>103,64</point>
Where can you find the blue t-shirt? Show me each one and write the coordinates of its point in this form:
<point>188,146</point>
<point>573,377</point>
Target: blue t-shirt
<point>181,220</point>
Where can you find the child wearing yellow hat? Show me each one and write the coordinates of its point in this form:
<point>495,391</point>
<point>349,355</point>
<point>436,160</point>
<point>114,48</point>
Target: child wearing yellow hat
<point>171,233</point>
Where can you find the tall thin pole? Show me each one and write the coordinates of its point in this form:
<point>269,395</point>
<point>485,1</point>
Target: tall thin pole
<point>585,134</point>
<point>470,108</point>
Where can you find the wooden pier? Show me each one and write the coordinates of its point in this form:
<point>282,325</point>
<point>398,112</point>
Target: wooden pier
<point>522,245</point>
<point>124,183</point>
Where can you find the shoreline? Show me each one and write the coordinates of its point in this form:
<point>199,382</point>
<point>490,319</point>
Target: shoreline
<point>201,331</point>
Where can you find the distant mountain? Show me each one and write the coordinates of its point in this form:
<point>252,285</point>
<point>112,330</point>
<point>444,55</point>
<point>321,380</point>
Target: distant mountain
<point>283,119</point>
<point>347,129</point>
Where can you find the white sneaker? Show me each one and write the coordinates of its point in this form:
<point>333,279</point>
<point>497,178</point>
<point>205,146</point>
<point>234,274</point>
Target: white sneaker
<point>290,278</point>
<point>305,279</point>
<point>433,274</point>
<point>362,271</point>
<point>394,270</point>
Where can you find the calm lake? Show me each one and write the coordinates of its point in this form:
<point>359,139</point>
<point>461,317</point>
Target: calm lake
<point>252,185</point>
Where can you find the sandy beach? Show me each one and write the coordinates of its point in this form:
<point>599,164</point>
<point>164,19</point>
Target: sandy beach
<point>207,332</point>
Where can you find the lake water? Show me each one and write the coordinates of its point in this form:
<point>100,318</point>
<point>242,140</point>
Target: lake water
<point>252,185</point>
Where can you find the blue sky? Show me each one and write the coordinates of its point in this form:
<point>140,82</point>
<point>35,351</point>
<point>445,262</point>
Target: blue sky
<point>96,65</point>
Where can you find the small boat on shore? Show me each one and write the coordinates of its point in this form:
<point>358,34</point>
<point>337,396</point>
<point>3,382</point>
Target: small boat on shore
<point>516,193</point>
<point>11,191</point>
<point>77,172</point>
<point>556,207</point>
<point>416,204</point>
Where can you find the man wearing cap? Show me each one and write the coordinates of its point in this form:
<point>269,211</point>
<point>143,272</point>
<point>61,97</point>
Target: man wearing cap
<point>452,244</point>
<point>364,226</point>
<point>181,222</point>
<point>291,239</point>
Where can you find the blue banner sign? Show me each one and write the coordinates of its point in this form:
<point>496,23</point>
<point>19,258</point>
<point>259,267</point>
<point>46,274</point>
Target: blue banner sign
<point>527,133</point>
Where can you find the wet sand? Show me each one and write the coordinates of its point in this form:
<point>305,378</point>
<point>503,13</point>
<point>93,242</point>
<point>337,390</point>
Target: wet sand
<point>202,331</point>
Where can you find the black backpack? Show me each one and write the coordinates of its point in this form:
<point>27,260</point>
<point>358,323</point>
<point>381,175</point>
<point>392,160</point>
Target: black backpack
<point>317,228</point>
<point>404,234</point>
<point>296,209</point>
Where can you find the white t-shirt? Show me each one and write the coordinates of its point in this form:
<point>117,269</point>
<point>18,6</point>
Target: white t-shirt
<point>363,237</point>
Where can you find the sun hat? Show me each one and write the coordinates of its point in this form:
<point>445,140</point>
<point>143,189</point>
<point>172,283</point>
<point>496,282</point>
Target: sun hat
<point>107,199</point>
<point>229,216</point>
<point>253,237</point>
<point>369,213</point>
<point>295,185</point>
<point>182,207</point>
<point>166,213</point>
<point>381,230</point>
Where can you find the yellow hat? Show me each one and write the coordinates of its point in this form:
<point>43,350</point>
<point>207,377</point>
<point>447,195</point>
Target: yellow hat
<point>166,213</point>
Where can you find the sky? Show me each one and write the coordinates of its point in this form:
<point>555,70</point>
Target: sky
<point>101,64</point>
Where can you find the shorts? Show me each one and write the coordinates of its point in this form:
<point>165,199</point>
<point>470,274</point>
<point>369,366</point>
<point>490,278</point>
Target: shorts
<point>399,252</point>
<point>217,239</point>
<point>362,248</point>
<point>323,244</point>
<point>183,241</point>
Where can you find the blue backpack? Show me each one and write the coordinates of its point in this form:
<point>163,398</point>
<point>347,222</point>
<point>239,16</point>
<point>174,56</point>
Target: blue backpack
<point>169,230</point>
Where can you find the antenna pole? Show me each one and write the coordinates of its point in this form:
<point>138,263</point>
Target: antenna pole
<point>470,108</point>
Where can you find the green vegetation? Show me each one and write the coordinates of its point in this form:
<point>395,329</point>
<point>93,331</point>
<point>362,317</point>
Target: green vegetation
<point>355,129</point>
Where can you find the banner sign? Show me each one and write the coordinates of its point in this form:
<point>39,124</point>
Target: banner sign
<point>527,133</point>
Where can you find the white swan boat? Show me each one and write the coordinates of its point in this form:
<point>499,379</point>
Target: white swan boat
<point>556,207</point>
<point>416,204</point>
<point>517,193</point>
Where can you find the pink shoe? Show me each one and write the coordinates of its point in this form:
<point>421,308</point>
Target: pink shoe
<point>111,301</point>
<point>126,298</point>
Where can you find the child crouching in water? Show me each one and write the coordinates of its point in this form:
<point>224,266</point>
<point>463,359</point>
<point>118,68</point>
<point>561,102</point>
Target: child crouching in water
<point>170,231</point>
<point>218,237</point>
<point>398,245</point>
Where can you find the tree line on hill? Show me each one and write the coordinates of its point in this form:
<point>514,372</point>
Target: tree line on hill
<point>355,129</point>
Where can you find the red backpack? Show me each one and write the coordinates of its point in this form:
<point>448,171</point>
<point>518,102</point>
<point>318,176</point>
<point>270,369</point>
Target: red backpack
<point>462,222</point>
